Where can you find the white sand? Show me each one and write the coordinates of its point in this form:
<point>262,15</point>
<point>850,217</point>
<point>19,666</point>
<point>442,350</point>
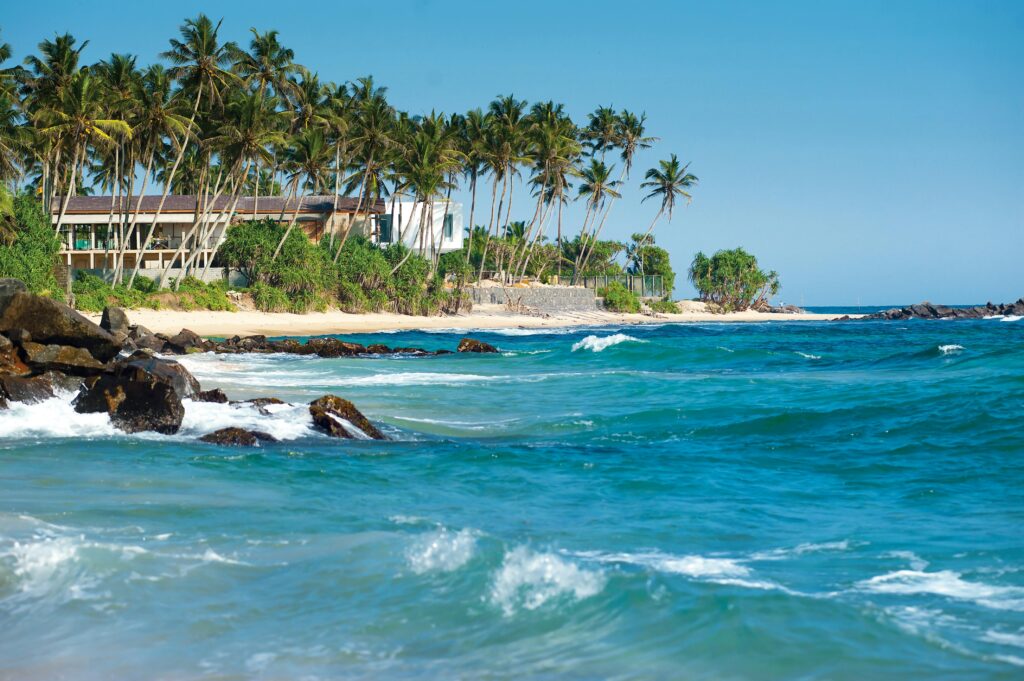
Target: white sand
<point>242,323</point>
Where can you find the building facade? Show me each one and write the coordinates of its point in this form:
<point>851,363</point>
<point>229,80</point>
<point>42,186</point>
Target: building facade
<point>406,222</point>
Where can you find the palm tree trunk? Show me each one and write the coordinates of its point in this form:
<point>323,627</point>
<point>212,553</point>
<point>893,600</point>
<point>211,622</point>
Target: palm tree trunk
<point>412,215</point>
<point>67,192</point>
<point>472,208</point>
<point>490,225</point>
<point>291,223</point>
<point>138,209</point>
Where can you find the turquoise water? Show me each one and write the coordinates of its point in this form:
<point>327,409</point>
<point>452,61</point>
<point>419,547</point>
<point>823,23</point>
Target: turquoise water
<point>766,501</point>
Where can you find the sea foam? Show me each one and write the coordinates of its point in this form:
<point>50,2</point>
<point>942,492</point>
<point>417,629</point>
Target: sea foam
<point>599,343</point>
<point>441,550</point>
<point>529,580</point>
<point>946,583</point>
<point>951,349</point>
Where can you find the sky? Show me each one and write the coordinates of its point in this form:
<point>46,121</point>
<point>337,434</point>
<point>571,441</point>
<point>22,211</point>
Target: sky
<point>870,152</point>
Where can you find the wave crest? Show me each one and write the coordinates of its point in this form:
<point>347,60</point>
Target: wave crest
<point>529,580</point>
<point>599,343</point>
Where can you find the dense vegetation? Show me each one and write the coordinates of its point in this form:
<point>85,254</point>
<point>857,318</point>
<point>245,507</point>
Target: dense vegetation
<point>220,120</point>
<point>618,298</point>
<point>28,246</point>
<point>732,280</point>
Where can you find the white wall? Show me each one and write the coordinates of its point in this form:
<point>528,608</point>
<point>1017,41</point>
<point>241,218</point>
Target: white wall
<point>411,218</point>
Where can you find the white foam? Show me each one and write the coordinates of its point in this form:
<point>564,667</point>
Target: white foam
<point>951,349</point>
<point>915,561</point>
<point>417,378</point>
<point>727,571</point>
<point>599,343</point>
<point>1012,318</point>
<point>1004,638</point>
<point>946,583</point>
<point>806,355</point>
<point>38,564</point>
<point>801,549</point>
<point>285,422</point>
<point>442,550</point>
<point>54,417</point>
<point>529,580</point>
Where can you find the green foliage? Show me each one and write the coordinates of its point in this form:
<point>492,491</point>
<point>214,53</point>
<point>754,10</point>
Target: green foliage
<point>28,246</point>
<point>303,273</point>
<point>194,294</point>
<point>664,306</point>
<point>603,260</point>
<point>732,279</point>
<point>618,298</point>
<point>92,294</point>
<point>453,266</point>
<point>644,258</point>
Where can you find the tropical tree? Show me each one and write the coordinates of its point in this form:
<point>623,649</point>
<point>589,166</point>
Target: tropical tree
<point>669,181</point>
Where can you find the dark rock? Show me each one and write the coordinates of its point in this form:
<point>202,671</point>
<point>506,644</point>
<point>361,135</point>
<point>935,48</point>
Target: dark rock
<point>31,390</point>
<point>115,321</point>
<point>378,349</point>
<point>184,342</point>
<point>332,347</point>
<point>473,345</point>
<point>19,336</point>
<point>52,322</point>
<point>327,411</point>
<point>10,360</point>
<point>151,342</point>
<point>8,287</point>
<point>138,395</point>
<point>238,437</point>
<point>137,331</point>
<point>214,395</point>
<point>183,382</point>
<point>62,358</point>
<point>416,352</point>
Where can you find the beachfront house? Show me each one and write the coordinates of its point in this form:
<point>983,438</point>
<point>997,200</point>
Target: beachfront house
<point>92,227</point>
<point>405,222</point>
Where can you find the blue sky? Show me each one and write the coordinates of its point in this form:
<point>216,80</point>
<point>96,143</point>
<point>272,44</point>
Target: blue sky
<point>869,151</point>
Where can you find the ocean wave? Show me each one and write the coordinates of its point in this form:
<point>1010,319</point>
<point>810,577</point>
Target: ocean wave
<point>1004,638</point>
<point>599,343</point>
<point>946,583</point>
<point>807,355</point>
<point>441,550</point>
<point>528,580</point>
<point>1012,318</point>
<point>55,417</point>
<point>284,421</point>
<point>417,378</point>
<point>951,349</point>
<point>801,549</point>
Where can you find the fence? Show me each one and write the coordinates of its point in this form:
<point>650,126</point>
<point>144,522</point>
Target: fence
<point>647,286</point>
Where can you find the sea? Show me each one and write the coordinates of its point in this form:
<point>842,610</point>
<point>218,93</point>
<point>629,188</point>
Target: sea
<point>784,500</point>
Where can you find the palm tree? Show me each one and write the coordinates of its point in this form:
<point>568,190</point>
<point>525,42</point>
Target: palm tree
<point>309,158</point>
<point>597,186</point>
<point>667,182</point>
<point>472,132</point>
<point>267,65</point>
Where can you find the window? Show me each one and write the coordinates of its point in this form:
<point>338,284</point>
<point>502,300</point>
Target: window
<point>449,226</point>
<point>384,225</point>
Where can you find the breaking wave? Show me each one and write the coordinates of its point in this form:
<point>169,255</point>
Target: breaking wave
<point>946,583</point>
<point>441,550</point>
<point>528,580</point>
<point>599,343</point>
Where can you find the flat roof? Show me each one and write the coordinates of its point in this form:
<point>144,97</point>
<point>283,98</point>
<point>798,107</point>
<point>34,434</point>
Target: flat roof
<point>186,203</point>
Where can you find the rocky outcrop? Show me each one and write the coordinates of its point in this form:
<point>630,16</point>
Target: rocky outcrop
<point>62,358</point>
<point>926,310</point>
<point>115,321</point>
<point>50,322</point>
<point>238,437</point>
<point>333,415</point>
<point>28,389</point>
<point>473,345</point>
<point>260,404</point>
<point>185,342</point>
<point>137,395</point>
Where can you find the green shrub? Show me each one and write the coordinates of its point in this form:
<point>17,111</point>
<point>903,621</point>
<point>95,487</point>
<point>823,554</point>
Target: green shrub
<point>194,294</point>
<point>618,298</point>
<point>92,294</point>
<point>28,246</point>
<point>664,306</point>
<point>268,298</point>
<point>732,279</point>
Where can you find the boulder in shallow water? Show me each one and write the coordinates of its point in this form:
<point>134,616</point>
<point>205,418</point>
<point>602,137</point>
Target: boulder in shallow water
<point>473,345</point>
<point>10,360</point>
<point>138,395</point>
<point>260,403</point>
<point>180,378</point>
<point>30,390</point>
<point>333,415</point>
<point>62,358</point>
<point>332,347</point>
<point>238,437</point>
<point>51,322</point>
<point>214,395</point>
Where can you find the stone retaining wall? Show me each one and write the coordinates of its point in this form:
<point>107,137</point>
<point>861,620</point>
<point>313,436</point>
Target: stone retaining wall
<point>545,298</point>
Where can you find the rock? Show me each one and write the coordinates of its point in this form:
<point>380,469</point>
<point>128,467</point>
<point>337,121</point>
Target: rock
<point>261,404</point>
<point>51,322</point>
<point>31,390</point>
<point>137,331</point>
<point>378,349</point>
<point>183,382</point>
<point>332,347</point>
<point>473,345</point>
<point>928,311</point>
<point>138,395</point>
<point>215,395</point>
<point>115,321</point>
<point>184,342</point>
<point>10,361</point>
<point>62,358</point>
<point>8,287</point>
<point>151,342</point>
<point>327,411</point>
<point>237,437</point>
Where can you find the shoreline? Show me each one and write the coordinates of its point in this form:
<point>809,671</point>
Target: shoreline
<point>482,318</point>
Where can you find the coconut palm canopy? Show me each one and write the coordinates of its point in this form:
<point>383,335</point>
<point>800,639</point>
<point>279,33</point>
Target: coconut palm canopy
<point>223,120</point>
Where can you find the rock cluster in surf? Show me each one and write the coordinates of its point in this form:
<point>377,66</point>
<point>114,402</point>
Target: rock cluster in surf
<point>928,311</point>
<point>46,347</point>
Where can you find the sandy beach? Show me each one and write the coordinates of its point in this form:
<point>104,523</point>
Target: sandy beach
<point>242,323</point>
